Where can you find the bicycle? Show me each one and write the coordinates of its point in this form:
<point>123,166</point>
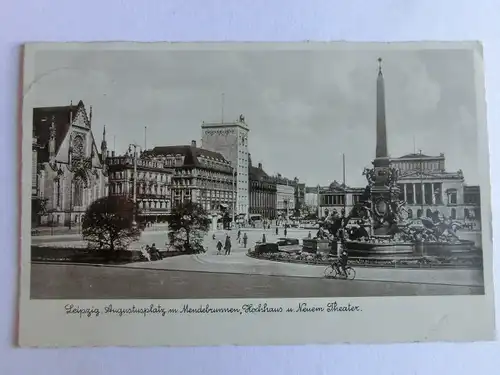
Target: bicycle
<point>331,272</point>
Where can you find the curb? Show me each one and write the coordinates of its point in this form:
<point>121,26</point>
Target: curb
<point>249,274</point>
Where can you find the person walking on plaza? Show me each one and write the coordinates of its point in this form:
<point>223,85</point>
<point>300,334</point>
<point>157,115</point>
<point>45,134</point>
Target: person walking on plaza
<point>309,235</point>
<point>227,246</point>
<point>263,238</point>
<point>277,230</point>
<point>239,234</point>
<point>219,247</point>
<point>245,240</point>
<point>286,231</point>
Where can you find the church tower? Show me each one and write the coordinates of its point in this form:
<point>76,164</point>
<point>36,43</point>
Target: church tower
<point>52,140</point>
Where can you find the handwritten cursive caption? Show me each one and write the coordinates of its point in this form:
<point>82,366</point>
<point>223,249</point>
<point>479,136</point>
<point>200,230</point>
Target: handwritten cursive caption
<point>206,309</point>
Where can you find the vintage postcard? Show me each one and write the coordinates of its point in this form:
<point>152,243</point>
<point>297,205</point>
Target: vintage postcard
<point>254,194</point>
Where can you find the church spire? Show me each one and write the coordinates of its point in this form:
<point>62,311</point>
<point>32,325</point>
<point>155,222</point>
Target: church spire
<point>381,150</point>
<point>104,144</point>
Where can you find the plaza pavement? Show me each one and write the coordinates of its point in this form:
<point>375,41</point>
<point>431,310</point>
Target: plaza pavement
<point>71,281</point>
<point>239,263</point>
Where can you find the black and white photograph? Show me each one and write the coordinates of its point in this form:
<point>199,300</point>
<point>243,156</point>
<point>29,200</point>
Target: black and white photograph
<point>255,173</point>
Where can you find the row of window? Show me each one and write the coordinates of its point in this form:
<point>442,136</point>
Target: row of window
<point>468,213</point>
<point>154,204</point>
<point>424,165</point>
<point>121,175</point>
<point>216,193</point>
<point>119,188</point>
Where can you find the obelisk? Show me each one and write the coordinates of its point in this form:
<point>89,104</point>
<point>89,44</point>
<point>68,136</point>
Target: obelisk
<point>381,151</point>
<point>382,192</point>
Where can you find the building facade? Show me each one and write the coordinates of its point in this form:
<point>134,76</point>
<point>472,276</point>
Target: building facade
<point>311,198</point>
<point>152,187</point>
<point>231,141</point>
<point>262,193</point>
<point>199,175</point>
<point>285,196</point>
<point>426,186</point>
<point>37,203</point>
<point>300,196</point>
<point>337,197</point>
<point>71,173</point>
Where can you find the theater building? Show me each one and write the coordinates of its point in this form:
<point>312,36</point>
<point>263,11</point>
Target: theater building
<point>426,186</point>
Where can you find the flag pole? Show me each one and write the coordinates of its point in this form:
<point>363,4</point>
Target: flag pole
<point>222,108</point>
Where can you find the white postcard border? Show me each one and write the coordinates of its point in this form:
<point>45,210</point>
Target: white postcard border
<point>44,323</point>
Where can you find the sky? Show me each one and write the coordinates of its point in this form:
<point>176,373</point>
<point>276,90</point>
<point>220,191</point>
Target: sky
<point>304,108</point>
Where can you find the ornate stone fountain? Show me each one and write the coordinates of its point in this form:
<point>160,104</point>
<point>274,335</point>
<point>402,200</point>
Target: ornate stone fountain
<point>381,214</point>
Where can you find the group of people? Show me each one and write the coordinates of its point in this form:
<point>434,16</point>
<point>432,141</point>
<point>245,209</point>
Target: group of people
<point>151,253</point>
<point>227,243</point>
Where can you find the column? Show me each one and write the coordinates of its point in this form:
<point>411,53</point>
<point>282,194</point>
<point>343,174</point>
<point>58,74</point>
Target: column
<point>404,190</point>
<point>423,192</point>
<point>433,196</point>
<point>414,193</point>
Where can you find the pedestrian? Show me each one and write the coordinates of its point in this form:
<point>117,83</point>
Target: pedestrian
<point>156,252</point>
<point>309,235</point>
<point>245,240</point>
<point>239,235</point>
<point>285,231</point>
<point>227,246</point>
<point>219,247</point>
<point>263,238</point>
<point>277,230</point>
<point>213,236</point>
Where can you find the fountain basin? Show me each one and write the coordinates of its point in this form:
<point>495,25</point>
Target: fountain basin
<point>392,250</point>
<point>447,248</point>
<point>314,245</point>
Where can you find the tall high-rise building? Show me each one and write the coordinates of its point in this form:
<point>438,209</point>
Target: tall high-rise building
<point>230,139</point>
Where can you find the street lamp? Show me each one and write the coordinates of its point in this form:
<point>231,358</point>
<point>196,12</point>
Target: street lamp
<point>286,201</point>
<point>134,182</point>
<point>234,195</point>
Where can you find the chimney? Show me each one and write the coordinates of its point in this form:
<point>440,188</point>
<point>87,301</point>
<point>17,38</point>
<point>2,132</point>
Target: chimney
<point>193,143</point>
<point>260,165</point>
<point>107,154</point>
<point>112,154</point>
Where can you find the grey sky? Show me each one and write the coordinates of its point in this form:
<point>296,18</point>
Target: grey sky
<point>304,109</point>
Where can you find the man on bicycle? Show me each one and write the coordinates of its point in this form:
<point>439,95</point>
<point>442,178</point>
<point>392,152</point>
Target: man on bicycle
<point>341,263</point>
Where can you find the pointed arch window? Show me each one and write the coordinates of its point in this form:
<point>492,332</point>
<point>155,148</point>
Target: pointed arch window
<point>78,193</point>
<point>58,192</point>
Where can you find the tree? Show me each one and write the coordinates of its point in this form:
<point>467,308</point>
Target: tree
<point>108,223</point>
<point>188,224</point>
